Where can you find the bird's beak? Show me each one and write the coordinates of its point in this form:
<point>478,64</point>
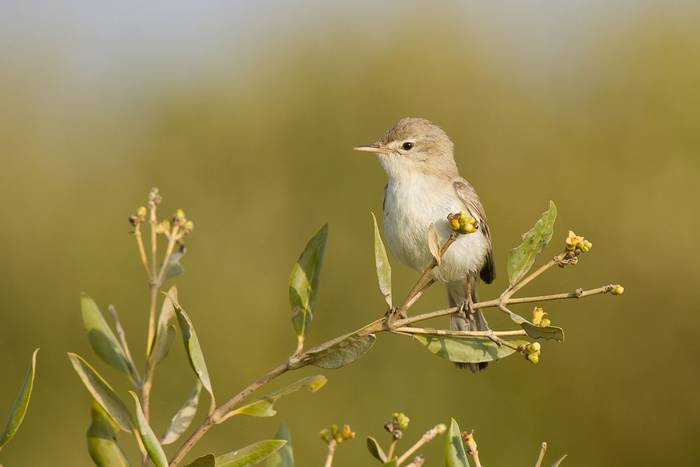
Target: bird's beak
<point>375,148</point>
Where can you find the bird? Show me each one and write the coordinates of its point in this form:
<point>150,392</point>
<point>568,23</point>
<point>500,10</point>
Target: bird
<point>424,187</point>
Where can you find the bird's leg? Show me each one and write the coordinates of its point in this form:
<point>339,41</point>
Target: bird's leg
<point>468,306</point>
<point>394,313</point>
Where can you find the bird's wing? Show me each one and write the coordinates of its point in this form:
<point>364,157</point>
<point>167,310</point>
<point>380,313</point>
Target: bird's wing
<point>466,192</point>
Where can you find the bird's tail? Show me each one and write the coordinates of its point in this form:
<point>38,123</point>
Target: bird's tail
<point>457,296</point>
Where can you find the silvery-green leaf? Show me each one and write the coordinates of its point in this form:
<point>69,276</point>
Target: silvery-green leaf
<point>375,449</point>
<point>561,459</point>
<point>102,440</point>
<point>455,454</point>
<point>304,281</point>
<point>174,268</point>
<point>284,457</point>
<point>543,332</point>
<point>102,392</point>
<point>250,454</point>
<point>434,243</point>
<point>150,441</point>
<point>382,263</point>
<point>165,332</point>
<point>523,256</point>
<point>183,418</point>
<point>102,339</point>
<point>19,407</point>
<point>344,352</point>
<point>205,461</point>
<point>466,349</point>
<point>194,351</point>
<point>263,407</point>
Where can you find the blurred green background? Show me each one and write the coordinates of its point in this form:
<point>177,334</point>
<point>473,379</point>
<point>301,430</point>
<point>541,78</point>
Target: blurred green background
<point>244,113</point>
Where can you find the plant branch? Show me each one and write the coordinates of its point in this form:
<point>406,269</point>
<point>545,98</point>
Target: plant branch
<point>426,438</point>
<point>540,458</point>
<point>331,452</point>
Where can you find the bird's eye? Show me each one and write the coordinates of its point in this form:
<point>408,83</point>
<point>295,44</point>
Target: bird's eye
<point>407,146</point>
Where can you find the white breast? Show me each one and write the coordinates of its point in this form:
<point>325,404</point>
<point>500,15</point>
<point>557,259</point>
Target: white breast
<point>409,209</point>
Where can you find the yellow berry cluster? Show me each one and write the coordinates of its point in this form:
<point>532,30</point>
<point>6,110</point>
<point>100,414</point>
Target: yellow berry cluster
<point>463,223</point>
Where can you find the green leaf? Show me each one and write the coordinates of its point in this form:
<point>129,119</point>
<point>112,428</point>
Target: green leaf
<point>264,407</point>
<point>382,263</point>
<point>304,281</point>
<point>375,449</point>
<point>523,256</point>
<point>183,418</point>
<point>102,339</point>
<point>150,441</point>
<point>455,455</point>
<point>250,454</point>
<point>391,463</point>
<point>344,352</point>
<point>165,332</point>
<point>466,349</point>
<point>205,461</point>
<point>561,459</point>
<point>102,440</point>
<point>194,351</point>
<point>174,268</point>
<point>284,457</point>
<point>102,392</point>
<point>546,332</point>
<point>21,404</point>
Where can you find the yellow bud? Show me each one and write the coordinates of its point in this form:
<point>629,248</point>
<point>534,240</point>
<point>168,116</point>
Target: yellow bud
<point>189,226</point>
<point>325,435</point>
<point>401,420</point>
<point>534,358</point>
<point>346,433</point>
<point>454,223</point>
<point>545,322</point>
<point>141,213</point>
<point>618,290</point>
<point>470,228</point>
<point>535,347</point>
<point>163,227</point>
<point>537,315</point>
<point>180,215</point>
<point>573,241</point>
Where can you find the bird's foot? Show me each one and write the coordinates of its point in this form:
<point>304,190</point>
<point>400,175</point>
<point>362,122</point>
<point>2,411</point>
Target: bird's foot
<point>393,314</point>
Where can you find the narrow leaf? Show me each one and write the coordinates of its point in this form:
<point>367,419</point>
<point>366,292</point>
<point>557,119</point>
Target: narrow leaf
<point>343,352</point>
<point>102,392</point>
<point>375,449</point>
<point>21,404</point>
<point>250,454</point>
<point>165,332</point>
<point>194,351</point>
<point>102,339</point>
<point>304,281</point>
<point>561,459</point>
<point>182,419</point>
<point>264,407</point>
<point>284,457</point>
<point>546,332</point>
<point>434,243</point>
<point>466,349</point>
<point>150,441</point>
<point>455,455</point>
<point>523,256</point>
<point>382,263</point>
<point>205,461</point>
<point>102,440</point>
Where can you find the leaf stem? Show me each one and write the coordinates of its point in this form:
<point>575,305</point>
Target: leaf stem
<point>331,452</point>
<point>540,458</point>
<point>426,438</point>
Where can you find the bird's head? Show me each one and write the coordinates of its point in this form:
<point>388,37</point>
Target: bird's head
<point>412,147</point>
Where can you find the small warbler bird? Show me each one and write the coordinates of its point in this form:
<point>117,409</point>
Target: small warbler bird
<point>424,188</point>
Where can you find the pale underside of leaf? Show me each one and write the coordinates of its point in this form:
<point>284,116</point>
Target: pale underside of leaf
<point>561,459</point>
<point>346,351</point>
<point>150,441</point>
<point>102,392</point>
<point>166,327</point>
<point>208,460</point>
<point>102,440</point>
<point>183,418</point>
<point>21,403</point>
<point>375,449</point>
<point>284,457</point>
<point>523,256</point>
<point>466,349</point>
<point>251,454</point>
<point>434,243</point>
<point>382,264</point>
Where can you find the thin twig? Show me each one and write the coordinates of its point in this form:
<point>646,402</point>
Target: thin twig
<point>426,438</point>
<point>331,452</point>
<point>543,451</point>
<point>142,249</point>
<point>392,448</point>
<point>445,332</point>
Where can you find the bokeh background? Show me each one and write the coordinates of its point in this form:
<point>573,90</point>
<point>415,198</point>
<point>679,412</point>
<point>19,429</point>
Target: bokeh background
<point>244,113</point>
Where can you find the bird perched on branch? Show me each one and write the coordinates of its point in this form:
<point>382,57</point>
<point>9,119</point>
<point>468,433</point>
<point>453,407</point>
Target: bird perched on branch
<point>424,188</point>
